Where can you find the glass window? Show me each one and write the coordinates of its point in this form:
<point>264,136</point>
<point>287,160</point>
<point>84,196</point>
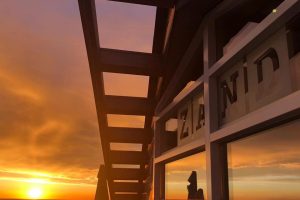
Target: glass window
<point>266,166</point>
<point>178,174</point>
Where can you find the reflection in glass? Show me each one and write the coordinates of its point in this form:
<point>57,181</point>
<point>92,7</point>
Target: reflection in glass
<point>183,173</point>
<point>266,166</point>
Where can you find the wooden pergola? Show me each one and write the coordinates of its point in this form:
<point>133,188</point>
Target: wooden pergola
<point>174,20</point>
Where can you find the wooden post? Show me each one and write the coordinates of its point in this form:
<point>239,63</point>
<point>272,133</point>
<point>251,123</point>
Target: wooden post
<point>102,189</point>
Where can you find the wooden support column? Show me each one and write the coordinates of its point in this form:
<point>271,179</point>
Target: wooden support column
<point>102,188</point>
<point>216,153</point>
<point>159,181</point>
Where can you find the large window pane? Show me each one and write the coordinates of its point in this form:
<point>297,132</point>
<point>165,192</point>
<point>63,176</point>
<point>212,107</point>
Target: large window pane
<point>266,166</point>
<point>178,174</point>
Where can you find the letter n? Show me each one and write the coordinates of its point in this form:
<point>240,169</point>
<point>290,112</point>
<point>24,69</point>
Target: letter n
<point>227,93</point>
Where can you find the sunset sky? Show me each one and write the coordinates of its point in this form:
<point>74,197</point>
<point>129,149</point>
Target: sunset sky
<point>49,135</point>
<point>48,125</point>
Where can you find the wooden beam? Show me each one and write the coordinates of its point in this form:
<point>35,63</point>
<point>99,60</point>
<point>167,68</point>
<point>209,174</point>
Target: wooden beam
<point>127,105</point>
<point>128,157</point>
<point>128,62</point>
<point>161,23</point>
<point>127,174</point>
<point>90,29</point>
<point>157,3</point>
<point>128,187</point>
<point>129,135</point>
<point>102,190</point>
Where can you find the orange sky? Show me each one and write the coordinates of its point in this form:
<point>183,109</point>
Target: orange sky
<point>48,123</point>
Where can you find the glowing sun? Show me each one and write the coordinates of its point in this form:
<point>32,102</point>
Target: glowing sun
<point>35,193</point>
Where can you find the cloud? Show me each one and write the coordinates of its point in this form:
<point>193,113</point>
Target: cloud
<point>48,122</point>
<point>33,177</point>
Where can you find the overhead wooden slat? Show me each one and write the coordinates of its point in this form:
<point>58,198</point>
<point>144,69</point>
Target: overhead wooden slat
<point>129,62</point>
<point>135,70</point>
<point>90,28</point>
<point>129,135</point>
<point>127,174</point>
<point>102,190</point>
<point>128,187</point>
<point>157,3</point>
<point>126,105</point>
<point>128,157</point>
